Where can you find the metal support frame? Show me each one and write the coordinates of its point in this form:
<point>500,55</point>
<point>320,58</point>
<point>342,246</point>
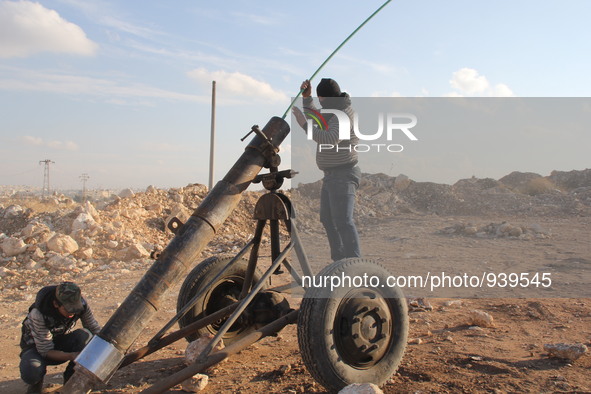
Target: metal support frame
<point>175,336</point>
<point>214,358</point>
<point>244,303</point>
<point>272,208</point>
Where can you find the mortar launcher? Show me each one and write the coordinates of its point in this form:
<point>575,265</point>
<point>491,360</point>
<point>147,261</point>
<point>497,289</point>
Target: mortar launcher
<point>348,335</point>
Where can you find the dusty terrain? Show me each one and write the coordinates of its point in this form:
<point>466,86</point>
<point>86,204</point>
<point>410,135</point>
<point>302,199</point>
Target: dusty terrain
<point>424,227</point>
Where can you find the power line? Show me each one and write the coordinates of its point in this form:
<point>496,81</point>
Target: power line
<point>84,177</point>
<point>46,186</point>
<point>212,139</point>
<point>22,173</point>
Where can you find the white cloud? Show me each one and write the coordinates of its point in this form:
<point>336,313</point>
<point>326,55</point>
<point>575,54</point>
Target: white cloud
<point>101,12</point>
<point>129,28</point>
<point>153,146</point>
<point>108,90</point>
<point>453,94</point>
<point>257,19</point>
<point>382,68</point>
<point>54,144</point>
<point>63,145</point>
<point>238,85</point>
<point>468,82</point>
<point>382,93</point>
<point>27,28</point>
<point>502,90</point>
<point>30,140</point>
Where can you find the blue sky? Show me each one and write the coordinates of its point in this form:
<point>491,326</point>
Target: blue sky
<point>120,90</point>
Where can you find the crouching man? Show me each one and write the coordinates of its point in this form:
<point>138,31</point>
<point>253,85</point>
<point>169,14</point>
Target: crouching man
<point>47,336</point>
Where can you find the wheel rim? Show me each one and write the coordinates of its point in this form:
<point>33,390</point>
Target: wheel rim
<point>223,293</point>
<point>362,328</point>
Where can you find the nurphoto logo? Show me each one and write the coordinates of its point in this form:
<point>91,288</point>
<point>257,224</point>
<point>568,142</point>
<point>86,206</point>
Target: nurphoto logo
<point>394,123</point>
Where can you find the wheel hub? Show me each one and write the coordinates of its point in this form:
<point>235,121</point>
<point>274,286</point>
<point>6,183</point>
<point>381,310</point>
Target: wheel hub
<point>362,328</point>
<point>223,294</point>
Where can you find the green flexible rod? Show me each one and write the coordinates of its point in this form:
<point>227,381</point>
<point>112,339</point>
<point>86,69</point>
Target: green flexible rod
<point>333,53</point>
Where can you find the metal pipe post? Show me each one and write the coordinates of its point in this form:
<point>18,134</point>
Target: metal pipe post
<point>212,138</point>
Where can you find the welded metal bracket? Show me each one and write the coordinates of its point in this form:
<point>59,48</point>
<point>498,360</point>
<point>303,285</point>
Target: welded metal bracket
<point>268,150</point>
<point>174,225</point>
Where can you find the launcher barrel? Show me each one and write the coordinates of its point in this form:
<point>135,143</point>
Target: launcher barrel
<point>102,356</point>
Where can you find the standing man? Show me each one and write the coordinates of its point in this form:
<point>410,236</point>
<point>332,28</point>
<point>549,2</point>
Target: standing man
<point>338,160</point>
<point>47,336</point>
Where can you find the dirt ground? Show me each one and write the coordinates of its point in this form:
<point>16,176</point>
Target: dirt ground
<point>451,356</point>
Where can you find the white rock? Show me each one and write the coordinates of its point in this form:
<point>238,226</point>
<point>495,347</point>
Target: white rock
<point>195,383</point>
<point>470,230</point>
<point>361,388</point>
<point>13,211</point>
<point>195,188</point>
<point>91,210</point>
<point>480,318</point>
<point>61,263</point>
<point>516,232</point>
<point>85,253</point>
<point>137,251</point>
<point>112,244</point>
<point>34,228</point>
<point>52,201</point>
<point>565,350</point>
<point>195,348</point>
<point>13,246</point>
<point>32,265</point>
<point>82,222</point>
<point>176,197</point>
<point>139,213</point>
<point>38,254</point>
<point>121,254</point>
<point>504,229</point>
<point>6,272</point>
<point>127,213</point>
<point>125,193</point>
<point>45,236</point>
<point>156,208</point>
<point>63,244</point>
<point>401,182</point>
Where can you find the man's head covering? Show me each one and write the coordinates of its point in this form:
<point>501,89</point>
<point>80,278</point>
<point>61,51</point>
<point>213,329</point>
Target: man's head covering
<point>328,88</point>
<point>68,294</point>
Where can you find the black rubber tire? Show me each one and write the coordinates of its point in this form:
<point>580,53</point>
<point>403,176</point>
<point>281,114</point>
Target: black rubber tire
<point>326,328</point>
<point>222,293</point>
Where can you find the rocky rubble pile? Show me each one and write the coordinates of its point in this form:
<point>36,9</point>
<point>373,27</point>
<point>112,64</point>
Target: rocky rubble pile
<point>518,193</point>
<point>65,240</point>
<point>497,230</point>
<point>80,239</point>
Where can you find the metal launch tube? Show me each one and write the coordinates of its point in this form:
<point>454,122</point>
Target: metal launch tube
<point>102,356</point>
